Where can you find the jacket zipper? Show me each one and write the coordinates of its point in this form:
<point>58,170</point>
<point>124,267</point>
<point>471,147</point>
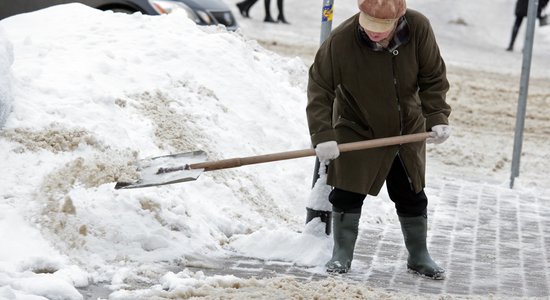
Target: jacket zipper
<point>395,52</point>
<point>406,173</point>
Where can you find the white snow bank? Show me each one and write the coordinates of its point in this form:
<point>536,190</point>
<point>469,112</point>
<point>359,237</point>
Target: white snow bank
<point>98,90</point>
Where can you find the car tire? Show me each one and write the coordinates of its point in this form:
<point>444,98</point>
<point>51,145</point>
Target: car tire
<point>122,10</point>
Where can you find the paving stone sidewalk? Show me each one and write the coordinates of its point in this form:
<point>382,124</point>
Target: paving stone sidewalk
<point>493,242</point>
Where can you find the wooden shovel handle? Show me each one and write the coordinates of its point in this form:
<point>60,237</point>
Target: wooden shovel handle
<point>362,145</point>
<point>389,141</point>
<point>250,160</point>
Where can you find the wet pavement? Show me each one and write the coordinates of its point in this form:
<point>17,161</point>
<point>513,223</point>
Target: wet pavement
<point>494,242</point>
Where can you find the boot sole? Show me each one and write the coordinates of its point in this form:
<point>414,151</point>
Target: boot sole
<point>337,271</point>
<point>436,276</point>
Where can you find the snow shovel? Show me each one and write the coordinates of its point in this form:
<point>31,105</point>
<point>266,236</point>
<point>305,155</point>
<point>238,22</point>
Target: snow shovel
<point>183,167</point>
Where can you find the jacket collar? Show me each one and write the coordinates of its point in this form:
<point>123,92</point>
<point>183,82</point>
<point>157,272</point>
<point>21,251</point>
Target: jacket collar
<point>400,37</point>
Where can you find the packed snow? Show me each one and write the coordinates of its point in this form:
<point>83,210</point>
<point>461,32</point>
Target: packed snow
<point>84,94</point>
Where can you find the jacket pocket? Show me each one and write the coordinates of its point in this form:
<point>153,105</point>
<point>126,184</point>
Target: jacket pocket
<point>362,131</point>
<point>347,113</point>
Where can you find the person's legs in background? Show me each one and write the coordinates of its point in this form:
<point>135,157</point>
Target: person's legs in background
<point>244,7</point>
<point>411,210</point>
<point>281,18</point>
<point>515,30</point>
<point>268,17</point>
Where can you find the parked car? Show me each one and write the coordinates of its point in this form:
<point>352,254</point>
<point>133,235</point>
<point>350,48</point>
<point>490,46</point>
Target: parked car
<point>203,12</point>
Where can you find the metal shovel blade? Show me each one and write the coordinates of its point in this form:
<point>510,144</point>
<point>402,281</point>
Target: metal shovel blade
<point>166,169</point>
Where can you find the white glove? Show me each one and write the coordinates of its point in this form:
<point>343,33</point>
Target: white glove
<point>327,151</point>
<point>440,133</point>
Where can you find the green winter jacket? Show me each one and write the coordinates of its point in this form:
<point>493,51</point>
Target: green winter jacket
<point>356,92</point>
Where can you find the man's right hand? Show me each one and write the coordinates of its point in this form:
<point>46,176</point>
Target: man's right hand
<point>326,151</point>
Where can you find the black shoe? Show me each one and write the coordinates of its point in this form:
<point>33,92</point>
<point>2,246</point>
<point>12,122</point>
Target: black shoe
<point>269,19</point>
<point>282,19</point>
<point>509,49</point>
<point>243,10</point>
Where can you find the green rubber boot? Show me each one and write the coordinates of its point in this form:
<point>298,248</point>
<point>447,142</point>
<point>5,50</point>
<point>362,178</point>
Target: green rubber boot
<point>345,227</point>
<point>419,262</point>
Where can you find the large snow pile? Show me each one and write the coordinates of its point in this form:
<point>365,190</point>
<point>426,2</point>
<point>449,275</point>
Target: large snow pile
<point>96,91</point>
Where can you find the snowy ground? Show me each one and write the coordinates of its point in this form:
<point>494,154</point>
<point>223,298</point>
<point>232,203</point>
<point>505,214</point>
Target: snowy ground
<point>92,91</point>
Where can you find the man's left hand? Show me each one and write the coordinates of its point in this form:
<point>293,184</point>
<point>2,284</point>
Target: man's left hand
<point>440,133</point>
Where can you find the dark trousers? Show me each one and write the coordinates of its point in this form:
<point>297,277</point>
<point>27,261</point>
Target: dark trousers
<point>407,202</point>
<point>246,4</point>
<point>515,29</point>
<point>517,25</point>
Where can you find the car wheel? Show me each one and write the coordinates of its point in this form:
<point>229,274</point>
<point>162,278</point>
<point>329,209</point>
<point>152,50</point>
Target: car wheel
<point>122,10</point>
